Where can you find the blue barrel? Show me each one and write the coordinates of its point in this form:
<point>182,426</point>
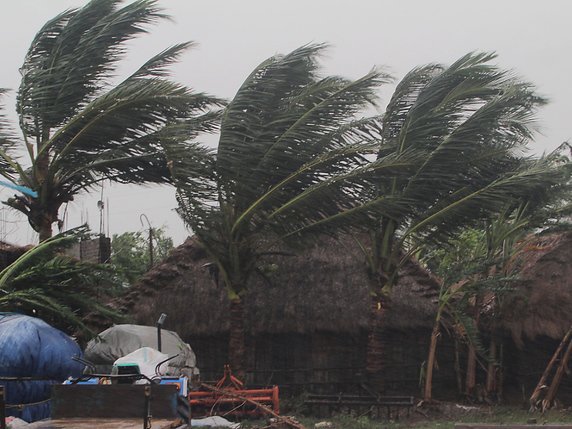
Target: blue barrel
<point>41,355</point>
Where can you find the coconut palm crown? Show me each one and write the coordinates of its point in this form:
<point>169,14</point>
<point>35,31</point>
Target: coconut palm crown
<point>78,128</point>
<point>286,131</point>
<point>471,123</point>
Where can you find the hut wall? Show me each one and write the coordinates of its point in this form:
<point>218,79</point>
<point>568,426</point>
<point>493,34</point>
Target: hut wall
<point>524,367</point>
<point>212,355</point>
<point>329,363</point>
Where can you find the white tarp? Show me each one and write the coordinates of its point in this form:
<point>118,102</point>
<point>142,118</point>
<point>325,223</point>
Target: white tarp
<point>214,421</point>
<point>120,340</point>
<point>147,359</point>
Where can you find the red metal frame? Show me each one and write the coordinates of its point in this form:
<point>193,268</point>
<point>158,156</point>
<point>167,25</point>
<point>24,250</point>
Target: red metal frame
<point>204,403</point>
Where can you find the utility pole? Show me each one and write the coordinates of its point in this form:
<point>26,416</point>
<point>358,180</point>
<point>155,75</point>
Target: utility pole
<point>150,239</point>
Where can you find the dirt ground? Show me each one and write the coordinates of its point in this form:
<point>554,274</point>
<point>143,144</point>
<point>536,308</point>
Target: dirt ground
<point>441,415</point>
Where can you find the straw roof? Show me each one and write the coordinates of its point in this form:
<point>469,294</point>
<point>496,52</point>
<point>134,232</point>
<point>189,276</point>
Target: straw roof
<point>542,302</point>
<point>10,252</point>
<point>323,289</point>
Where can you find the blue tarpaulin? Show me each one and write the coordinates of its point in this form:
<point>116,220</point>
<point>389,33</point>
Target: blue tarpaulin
<point>38,353</point>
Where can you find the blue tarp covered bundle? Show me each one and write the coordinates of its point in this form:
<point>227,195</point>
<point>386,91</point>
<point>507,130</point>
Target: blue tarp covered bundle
<point>30,348</point>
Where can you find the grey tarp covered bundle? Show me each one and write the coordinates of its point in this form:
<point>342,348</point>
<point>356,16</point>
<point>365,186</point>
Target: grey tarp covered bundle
<point>120,340</point>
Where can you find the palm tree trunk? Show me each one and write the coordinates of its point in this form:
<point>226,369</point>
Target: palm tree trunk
<point>492,370</point>
<point>236,345</point>
<point>457,364</point>
<point>45,226</point>
<point>375,342</point>
<point>45,218</point>
<point>427,395</point>
<point>470,380</point>
<point>471,377</point>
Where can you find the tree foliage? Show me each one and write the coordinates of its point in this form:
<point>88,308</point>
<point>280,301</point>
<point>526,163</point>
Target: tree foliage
<point>78,128</point>
<point>469,125</point>
<point>283,136</point>
<point>286,133</point>
<point>48,283</point>
<point>130,252</point>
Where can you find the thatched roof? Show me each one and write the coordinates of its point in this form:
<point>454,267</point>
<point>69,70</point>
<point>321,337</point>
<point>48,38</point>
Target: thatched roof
<point>323,289</point>
<point>542,303</point>
<point>10,252</point>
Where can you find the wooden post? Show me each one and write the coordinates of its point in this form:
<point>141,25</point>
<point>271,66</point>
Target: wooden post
<point>2,409</point>
<point>147,414</point>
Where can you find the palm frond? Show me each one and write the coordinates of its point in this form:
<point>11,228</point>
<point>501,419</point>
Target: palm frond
<point>260,101</point>
<point>8,160</point>
<point>286,131</point>
<point>46,281</point>
<point>157,66</point>
<point>71,58</point>
<point>532,183</point>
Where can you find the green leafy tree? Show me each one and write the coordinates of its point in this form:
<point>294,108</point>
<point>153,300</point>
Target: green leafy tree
<point>78,128</point>
<point>131,252</point>
<point>48,283</point>
<point>480,261</point>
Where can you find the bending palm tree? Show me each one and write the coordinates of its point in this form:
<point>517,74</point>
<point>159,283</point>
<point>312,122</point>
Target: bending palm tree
<point>470,124</point>
<point>78,130</point>
<point>283,136</point>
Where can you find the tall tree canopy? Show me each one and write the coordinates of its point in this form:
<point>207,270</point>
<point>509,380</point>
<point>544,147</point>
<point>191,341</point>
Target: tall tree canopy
<point>294,160</point>
<point>471,124</point>
<point>78,128</point>
<point>131,252</point>
<point>286,131</point>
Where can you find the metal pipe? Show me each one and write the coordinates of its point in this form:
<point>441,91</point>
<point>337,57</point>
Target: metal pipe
<point>160,322</point>
<point>150,239</point>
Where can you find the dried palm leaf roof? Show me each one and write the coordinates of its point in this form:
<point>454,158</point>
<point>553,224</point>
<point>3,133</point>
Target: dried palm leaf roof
<point>322,289</point>
<point>542,303</point>
<point>10,252</point>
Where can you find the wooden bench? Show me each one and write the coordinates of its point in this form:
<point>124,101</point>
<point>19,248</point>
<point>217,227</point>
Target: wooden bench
<point>358,403</point>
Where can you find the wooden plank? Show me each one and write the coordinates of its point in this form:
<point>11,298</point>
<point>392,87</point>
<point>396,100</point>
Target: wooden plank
<point>511,426</point>
<point>112,401</point>
<point>80,423</point>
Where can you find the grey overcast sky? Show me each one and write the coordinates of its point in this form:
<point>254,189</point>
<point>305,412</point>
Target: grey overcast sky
<point>530,36</point>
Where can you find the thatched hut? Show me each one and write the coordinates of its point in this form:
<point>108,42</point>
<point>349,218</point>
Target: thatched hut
<point>306,317</point>
<point>10,252</point>
<point>538,313</point>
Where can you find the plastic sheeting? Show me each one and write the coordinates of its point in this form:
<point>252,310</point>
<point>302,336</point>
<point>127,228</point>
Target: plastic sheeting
<point>147,359</point>
<point>120,340</point>
<point>31,348</point>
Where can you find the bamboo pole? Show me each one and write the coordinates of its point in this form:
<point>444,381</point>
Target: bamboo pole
<point>551,394</point>
<point>542,382</point>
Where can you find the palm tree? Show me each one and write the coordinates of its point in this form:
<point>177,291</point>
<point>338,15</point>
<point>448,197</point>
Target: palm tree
<point>286,134</point>
<point>469,124</point>
<point>48,283</point>
<point>77,128</point>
